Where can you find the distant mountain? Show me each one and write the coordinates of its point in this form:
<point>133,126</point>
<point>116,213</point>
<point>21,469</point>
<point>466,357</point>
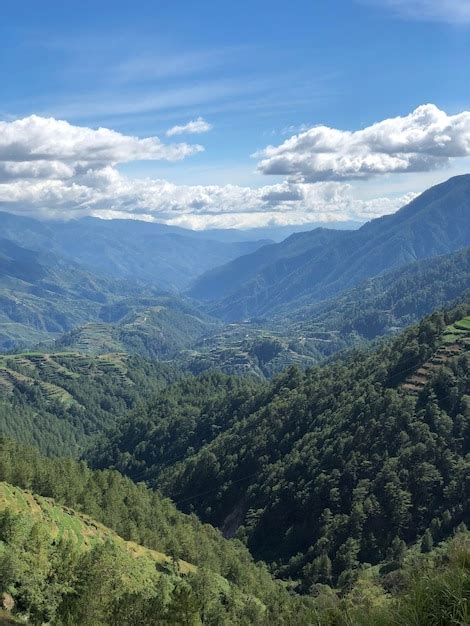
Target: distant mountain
<point>319,264</point>
<point>384,304</point>
<point>308,334</point>
<point>278,233</point>
<point>43,296</point>
<point>158,330</point>
<point>161,255</point>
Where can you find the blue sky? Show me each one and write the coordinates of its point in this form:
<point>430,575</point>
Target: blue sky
<point>257,72</point>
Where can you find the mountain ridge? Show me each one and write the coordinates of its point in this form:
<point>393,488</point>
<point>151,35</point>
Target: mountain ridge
<point>434,223</point>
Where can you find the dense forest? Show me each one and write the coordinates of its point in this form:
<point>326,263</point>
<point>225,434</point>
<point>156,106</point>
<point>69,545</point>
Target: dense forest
<point>385,304</point>
<point>320,471</point>
<point>59,401</point>
<point>53,580</point>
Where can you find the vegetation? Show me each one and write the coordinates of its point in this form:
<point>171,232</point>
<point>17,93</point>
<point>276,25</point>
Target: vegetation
<point>321,471</point>
<point>158,331</point>
<point>60,565</point>
<point>59,401</point>
<point>312,333</point>
<point>342,464</point>
<point>385,304</point>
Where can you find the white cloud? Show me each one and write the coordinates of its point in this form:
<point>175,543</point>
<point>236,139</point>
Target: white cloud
<point>38,142</point>
<point>108,194</point>
<point>195,127</point>
<point>450,11</point>
<point>422,141</point>
<point>54,170</point>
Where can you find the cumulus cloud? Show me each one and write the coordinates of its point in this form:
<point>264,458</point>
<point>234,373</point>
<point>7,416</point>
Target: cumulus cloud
<point>54,170</point>
<point>195,127</point>
<point>111,195</point>
<point>36,145</point>
<point>451,11</point>
<point>422,141</point>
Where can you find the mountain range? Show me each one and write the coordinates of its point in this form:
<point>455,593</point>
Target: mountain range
<point>309,267</point>
<point>164,256</point>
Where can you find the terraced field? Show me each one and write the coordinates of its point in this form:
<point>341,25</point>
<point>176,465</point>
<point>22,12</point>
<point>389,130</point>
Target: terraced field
<point>455,342</point>
<point>245,349</point>
<point>49,371</point>
<point>60,401</point>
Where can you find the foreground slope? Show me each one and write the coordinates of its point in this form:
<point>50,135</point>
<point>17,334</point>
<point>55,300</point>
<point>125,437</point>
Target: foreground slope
<point>330,466</point>
<point>61,565</point>
<point>321,263</point>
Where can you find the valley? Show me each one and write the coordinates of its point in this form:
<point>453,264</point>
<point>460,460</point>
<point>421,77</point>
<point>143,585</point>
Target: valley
<point>243,457</point>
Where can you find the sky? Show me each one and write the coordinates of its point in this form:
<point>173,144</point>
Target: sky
<point>218,114</point>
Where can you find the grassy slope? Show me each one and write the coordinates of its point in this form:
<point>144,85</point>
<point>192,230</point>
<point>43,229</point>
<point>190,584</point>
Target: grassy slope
<point>80,529</point>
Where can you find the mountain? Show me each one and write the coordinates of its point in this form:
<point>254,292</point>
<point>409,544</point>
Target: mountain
<point>59,401</point>
<point>319,264</point>
<point>43,295</point>
<point>163,256</point>
<point>322,471</point>
<point>278,233</point>
<point>153,328</point>
<point>309,334</point>
<point>384,304</point>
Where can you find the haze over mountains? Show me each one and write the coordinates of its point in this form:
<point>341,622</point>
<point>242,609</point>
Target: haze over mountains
<point>105,284</point>
<point>163,256</point>
<point>318,264</point>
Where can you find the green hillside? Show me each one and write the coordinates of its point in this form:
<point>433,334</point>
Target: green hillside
<point>61,562</point>
<point>64,524</point>
<point>333,464</point>
<point>307,334</point>
<point>43,296</point>
<point>59,401</point>
<point>156,331</point>
<point>62,567</point>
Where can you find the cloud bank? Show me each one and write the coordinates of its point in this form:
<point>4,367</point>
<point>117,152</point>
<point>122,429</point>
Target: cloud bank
<point>422,141</point>
<point>195,127</point>
<point>54,170</point>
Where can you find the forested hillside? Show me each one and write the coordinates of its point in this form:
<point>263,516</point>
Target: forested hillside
<point>306,335</point>
<point>321,471</point>
<point>59,401</point>
<point>153,328</point>
<point>385,304</point>
<point>320,264</point>
<point>60,565</point>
